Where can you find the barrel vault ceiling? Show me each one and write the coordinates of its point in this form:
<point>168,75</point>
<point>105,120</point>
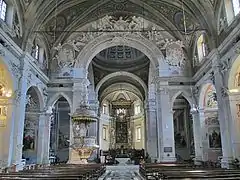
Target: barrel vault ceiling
<point>69,15</point>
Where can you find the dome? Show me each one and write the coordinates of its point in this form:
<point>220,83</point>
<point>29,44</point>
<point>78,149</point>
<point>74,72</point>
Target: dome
<point>120,57</point>
<point>122,53</point>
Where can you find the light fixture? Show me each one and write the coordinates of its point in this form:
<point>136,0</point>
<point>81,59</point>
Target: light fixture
<point>233,90</point>
<point>5,92</point>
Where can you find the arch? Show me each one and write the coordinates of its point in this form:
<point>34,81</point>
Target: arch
<point>123,86</point>
<point>115,39</point>
<point>185,95</point>
<point>232,73</point>
<point>39,95</point>
<point>122,73</point>
<point>204,88</point>
<point>117,94</point>
<point>56,97</point>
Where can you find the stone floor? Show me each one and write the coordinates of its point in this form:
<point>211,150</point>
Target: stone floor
<point>121,172</point>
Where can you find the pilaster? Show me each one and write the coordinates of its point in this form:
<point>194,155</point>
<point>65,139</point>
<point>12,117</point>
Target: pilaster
<point>165,124</point>
<point>223,113</point>
<point>43,138</point>
<point>18,128</point>
<point>197,127</point>
<point>151,141</point>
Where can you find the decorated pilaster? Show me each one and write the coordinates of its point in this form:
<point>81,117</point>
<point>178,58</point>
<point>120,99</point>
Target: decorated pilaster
<point>20,100</point>
<point>223,112</point>
<point>165,124</point>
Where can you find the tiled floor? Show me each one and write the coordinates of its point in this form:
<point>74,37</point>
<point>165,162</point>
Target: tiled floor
<point>127,172</point>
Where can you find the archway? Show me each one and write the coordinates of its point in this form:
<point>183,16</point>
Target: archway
<point>34,105</point>
<point>114,39</point>
<point>210,127</point>
<point>183,128</point>
<point>121,90</point>
<point>60,130</point>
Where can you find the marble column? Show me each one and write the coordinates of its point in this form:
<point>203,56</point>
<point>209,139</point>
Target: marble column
<point>197,133</point>
<point>44,138</point>
<point>165,124</point>
<point>151,140</point>
<point>223,113</point>
<point>234,99</point>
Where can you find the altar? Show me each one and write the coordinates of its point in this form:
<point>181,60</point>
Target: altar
<point>123,159</point>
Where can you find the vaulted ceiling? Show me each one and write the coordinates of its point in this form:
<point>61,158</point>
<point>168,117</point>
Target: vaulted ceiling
<point>69,15</point>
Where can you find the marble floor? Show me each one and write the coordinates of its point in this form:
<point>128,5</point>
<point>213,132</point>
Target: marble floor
<point>127,172</point>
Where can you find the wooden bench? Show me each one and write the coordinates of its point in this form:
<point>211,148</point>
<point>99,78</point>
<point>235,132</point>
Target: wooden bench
<point>82,172</point>
<point>183,171</point>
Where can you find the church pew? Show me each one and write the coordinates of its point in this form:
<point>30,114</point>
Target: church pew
<point>157,171</point>
<point>93,171</point>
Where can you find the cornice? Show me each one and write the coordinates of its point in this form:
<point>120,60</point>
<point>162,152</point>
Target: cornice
<point>229,40</point>
<point>36,70</point>
<point>205,67</point>
<point>10,45</point>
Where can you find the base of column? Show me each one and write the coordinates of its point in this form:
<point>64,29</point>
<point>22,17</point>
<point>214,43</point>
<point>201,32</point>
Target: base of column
<point>226,163</point>
<point>170,159</point>
<point>198,160</point>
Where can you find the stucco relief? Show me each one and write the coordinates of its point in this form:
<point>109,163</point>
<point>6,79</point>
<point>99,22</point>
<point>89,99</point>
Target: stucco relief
<point>121,28</point>
<point>175,58</point>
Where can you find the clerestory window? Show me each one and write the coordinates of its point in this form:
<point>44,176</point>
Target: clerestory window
<point>3,10</point>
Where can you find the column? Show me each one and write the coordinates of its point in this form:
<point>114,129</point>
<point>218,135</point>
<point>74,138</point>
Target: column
<point>151,140</point>
<point>165,124</point>
<point>223,113</point>
<point>197,137</point>
<point>43,138</point>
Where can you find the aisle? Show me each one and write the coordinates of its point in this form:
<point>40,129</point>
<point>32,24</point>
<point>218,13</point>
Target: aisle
<point>128,172</point>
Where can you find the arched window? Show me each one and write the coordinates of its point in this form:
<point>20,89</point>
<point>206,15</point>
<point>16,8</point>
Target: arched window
<point>201,48</point>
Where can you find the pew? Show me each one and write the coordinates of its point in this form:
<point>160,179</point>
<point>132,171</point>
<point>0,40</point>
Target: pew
<point>81,172</point>
<point>183,171</point>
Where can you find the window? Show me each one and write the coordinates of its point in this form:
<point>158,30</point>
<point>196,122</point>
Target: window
<point>137,109</point>
<point>201,48</point>
<point>236,6</point>
<point>104,133</point>
<point>3,9</point>
<point>104,109</point>
<point>138,133</point>
<point>36,54</point>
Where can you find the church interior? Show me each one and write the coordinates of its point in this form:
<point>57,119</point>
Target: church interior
<point>119,89</point>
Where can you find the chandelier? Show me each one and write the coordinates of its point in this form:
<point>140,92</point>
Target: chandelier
<point>4,92</point>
